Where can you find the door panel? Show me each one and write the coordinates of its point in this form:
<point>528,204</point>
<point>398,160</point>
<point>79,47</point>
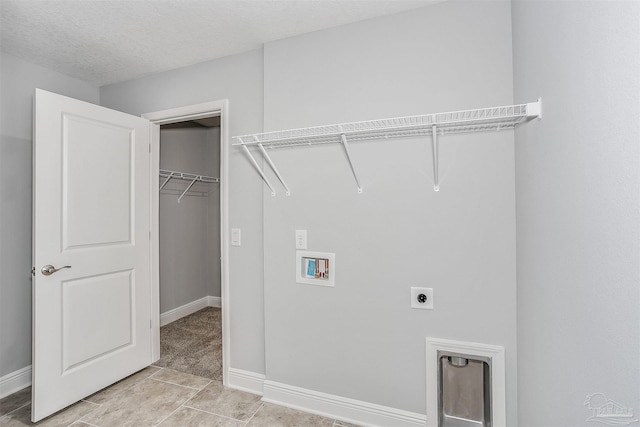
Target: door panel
<point>90,331</point>
<point>96,211</point>
<point>91,322</point>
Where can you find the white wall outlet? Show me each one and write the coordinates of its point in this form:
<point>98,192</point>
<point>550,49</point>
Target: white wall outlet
<point>236,237</point>
<point>422,298</point>
<point>301,239</point>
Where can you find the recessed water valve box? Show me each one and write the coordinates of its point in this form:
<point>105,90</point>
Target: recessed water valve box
<point>422,298</point>
<point>316,268</point>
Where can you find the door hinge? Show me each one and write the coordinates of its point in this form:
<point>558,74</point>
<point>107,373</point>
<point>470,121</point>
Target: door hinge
<point>149,147</point>
<point>33,271</point>
<point>150,324</point>
<point>149,235</point>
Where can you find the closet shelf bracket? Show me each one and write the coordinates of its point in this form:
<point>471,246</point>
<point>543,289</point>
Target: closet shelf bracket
<point>434,149</point>
<point>343,138</point>
<point>187,189</point>
<point>166,181</point>
<point>258,168</point>
<point>273,167</point>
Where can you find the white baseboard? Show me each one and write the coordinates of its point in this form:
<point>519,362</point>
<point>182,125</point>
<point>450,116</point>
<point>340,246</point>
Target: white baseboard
<point>245,381</point>
<point>341,408</point>
<point>15,381</point>
<point>326,405</point>
<point>214,301</point>
<point>189,308</point>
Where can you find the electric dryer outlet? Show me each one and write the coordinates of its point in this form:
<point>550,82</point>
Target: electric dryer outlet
<point>422,298</point>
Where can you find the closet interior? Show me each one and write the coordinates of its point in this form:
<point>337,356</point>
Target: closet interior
<point>190,333</point>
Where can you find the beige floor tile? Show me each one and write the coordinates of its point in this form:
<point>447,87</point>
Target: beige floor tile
<point>109,392</point>
<point>279,416</point>
<point>180,378</point>
<point>80,424</point>
<point>217,399</point>
<point>144,404</point>
<point>339,423</point>
<point>188,417</point>
<point>15,400</point>
<point>22,417</point>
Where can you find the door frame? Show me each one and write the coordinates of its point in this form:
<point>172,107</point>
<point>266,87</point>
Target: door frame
<point>174,115</point>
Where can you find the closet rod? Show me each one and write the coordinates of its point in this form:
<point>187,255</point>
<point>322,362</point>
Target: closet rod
<point>168,175</point>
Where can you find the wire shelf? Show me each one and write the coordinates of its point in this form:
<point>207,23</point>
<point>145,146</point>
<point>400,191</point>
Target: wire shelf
<point>484,119</point>
<point>193,178</point>
<point>434,125</point>
<point>187,176</point>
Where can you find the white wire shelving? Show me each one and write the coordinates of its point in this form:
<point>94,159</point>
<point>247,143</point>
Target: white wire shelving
<point>193,178</point>
<point>434,125</point>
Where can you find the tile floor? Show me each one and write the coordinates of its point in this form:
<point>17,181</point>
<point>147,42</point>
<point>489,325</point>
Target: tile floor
<point>182,389</point>
<point>163,397</point>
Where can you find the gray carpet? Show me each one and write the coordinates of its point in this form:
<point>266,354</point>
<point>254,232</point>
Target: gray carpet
<point>193,344</point>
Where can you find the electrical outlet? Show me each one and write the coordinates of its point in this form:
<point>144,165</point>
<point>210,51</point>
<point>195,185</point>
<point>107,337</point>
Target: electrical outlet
<point>422,298</point>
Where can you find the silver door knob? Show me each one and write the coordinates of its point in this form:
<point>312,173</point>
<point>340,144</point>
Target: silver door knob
<point>48,269</point>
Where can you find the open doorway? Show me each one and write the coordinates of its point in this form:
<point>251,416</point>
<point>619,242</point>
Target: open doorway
<point>189,214</point>
<point>189,239</point>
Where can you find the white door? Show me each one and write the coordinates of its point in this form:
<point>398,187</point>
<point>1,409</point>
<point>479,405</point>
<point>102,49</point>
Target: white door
<point>91,208</point>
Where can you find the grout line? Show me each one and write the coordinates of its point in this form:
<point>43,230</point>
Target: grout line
<point>182,373</point>
<point>176,410</point>
<point>179,385</point>
<point>160,369</point>
<point>18,408</point>
<point>168,416</point>
<point>206,385</point>
<point>80,420</point>
<point>97,406</point>
<point>211,413</point>
<point>193,396</point>
<point>90,402</point>
<point>254,414</point>
<point>165,418</point>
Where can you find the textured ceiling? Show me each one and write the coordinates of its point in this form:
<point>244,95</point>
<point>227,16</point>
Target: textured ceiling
<point>110,41</point>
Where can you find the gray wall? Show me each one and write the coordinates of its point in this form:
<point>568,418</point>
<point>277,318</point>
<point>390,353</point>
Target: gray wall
<point>189,230</point>
<point>18,80</point>
<point>361,339</point>
<point>240,79</point>
<point>578,190</point>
